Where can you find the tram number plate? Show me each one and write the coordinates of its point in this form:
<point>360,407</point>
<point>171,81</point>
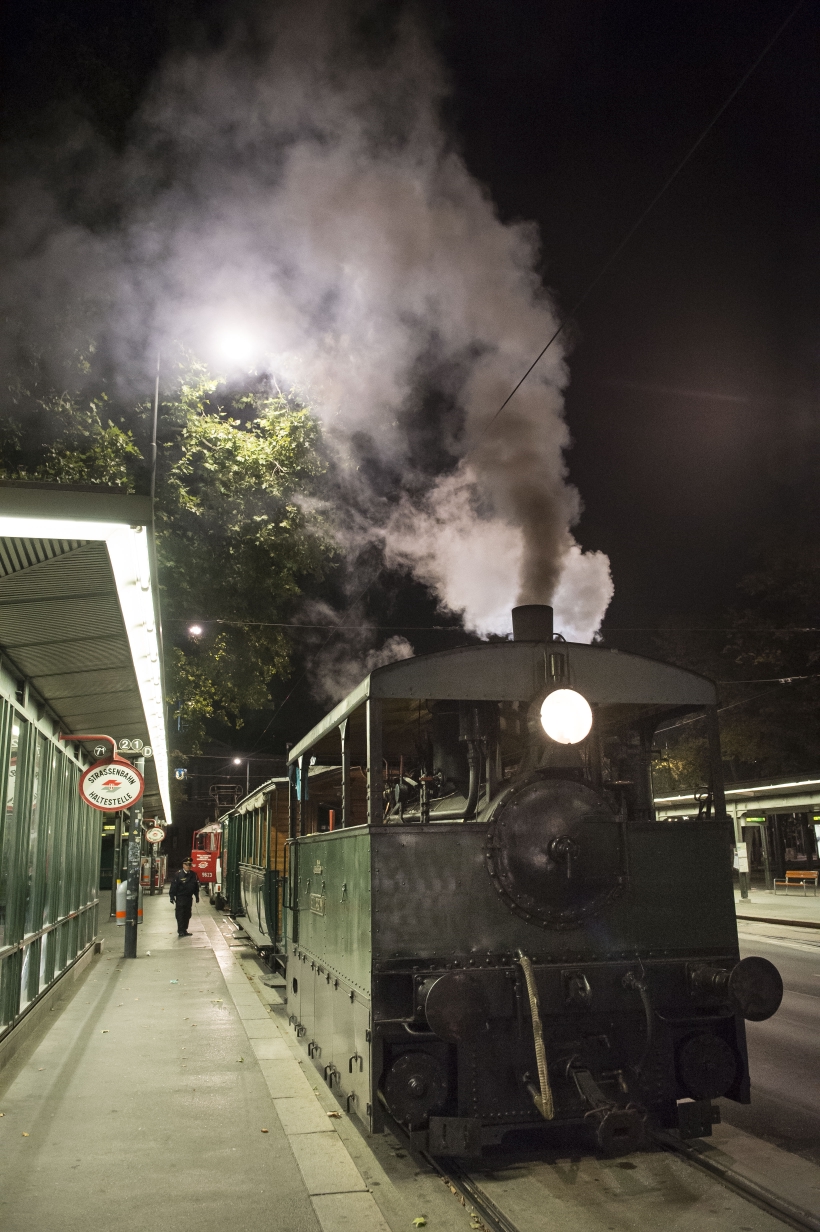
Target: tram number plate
<point>317,904</point>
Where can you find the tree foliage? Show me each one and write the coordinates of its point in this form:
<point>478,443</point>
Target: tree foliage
<point>61,436</point>
<point>239,529</point>
<point>239,534</point>
<point>764,653</point>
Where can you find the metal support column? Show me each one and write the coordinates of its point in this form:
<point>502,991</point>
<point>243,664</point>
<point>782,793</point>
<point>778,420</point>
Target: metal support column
<point>718,796</point>
<point>375,775</point>
<point>347,819</point>
<point>151,865</point>
<point>302,766</point>
<point>132,894</point>
<point>767,867</point>
<point>116,864</point>
<point>292,805</point>
<point>742,857</point>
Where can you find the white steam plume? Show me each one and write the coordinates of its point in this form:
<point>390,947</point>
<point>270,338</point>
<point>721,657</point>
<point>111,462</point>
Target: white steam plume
<point>294,199</point>
<point>339,663</point>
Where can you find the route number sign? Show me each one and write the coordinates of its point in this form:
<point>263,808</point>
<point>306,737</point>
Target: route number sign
<point>154,835</point>
<point>110,786</point>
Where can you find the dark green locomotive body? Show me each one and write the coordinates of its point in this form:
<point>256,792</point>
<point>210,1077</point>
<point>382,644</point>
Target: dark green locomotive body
<point>382,911</point>
<point>488,931</point>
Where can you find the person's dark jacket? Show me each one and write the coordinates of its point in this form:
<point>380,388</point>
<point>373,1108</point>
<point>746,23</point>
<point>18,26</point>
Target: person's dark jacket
<point>184,885</point>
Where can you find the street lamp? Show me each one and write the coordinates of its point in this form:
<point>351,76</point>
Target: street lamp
<point>195,630</point>
<point>237,347</point>
<point>237,761</point>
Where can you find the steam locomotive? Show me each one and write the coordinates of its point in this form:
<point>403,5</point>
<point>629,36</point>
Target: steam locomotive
<point>482,927</point>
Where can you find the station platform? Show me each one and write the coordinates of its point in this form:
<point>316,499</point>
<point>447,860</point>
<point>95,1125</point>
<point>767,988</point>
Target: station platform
<point>792,908</point>
<point>164,1092</point>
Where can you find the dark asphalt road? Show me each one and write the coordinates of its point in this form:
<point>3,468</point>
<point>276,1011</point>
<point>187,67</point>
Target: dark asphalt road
<point>784,1053</point>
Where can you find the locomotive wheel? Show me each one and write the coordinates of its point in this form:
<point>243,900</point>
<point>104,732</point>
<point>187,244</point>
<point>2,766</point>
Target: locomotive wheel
<point>415,1087</point>
<point>707,1066</point>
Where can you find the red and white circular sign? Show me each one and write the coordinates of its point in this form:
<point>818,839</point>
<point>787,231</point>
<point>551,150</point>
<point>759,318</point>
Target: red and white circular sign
<point>111,785</point>
<point>154,835</point>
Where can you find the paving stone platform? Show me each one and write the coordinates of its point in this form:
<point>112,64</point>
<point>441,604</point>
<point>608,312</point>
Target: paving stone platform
<point>792,908</point>
<point>163,1095</point>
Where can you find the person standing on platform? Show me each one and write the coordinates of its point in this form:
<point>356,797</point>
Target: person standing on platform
<point>184,886</point>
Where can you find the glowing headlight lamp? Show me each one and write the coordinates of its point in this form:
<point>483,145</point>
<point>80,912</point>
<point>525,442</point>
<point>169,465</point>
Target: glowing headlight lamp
<point>566,716</point>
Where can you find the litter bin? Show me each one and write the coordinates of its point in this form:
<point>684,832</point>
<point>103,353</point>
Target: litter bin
<point>122,888</point>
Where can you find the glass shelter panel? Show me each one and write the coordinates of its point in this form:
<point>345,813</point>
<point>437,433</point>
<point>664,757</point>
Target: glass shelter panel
<point>9,737</point>
<point>49,858</point>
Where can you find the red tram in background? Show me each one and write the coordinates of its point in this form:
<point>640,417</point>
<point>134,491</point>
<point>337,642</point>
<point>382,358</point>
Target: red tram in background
<point>206,855</point>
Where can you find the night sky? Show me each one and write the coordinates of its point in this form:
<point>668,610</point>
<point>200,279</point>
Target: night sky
<point>693,395</point>
<point>694,363</point>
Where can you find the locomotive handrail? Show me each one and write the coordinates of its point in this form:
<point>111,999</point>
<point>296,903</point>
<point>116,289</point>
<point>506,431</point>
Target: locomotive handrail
<point>543,1102</point>
<point>639,985</point>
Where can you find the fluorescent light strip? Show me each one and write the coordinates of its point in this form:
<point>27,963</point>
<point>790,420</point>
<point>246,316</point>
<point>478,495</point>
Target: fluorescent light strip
<point>130,563</point>
<point>744,791</point>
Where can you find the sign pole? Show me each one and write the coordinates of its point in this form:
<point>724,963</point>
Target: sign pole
<point>116,864</point>
<point>132,893</point>
<point>151,853</point>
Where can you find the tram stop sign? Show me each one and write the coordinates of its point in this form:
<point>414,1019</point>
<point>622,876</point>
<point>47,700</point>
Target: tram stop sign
<point>154,835</point>
<point>111,785</point>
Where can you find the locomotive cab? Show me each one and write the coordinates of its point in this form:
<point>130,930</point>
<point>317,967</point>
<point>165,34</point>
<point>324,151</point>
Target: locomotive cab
<point>499,935</point>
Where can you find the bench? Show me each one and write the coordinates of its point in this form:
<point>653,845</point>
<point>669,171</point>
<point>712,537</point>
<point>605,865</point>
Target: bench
<point>796,877</point>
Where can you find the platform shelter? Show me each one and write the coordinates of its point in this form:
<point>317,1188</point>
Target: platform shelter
<point>80,652</point>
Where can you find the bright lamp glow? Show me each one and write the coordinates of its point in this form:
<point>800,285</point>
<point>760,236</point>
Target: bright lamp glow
<point>237,761</point>
<point>236,347</point>
<point>566,716</point>
<point>195,630</point>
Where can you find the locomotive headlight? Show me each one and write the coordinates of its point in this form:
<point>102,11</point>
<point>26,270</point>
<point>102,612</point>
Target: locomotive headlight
<point>566,716</point>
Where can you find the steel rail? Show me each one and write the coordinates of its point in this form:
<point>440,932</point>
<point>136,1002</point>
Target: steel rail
<point>490,1215</point>
<point>766,1199</point>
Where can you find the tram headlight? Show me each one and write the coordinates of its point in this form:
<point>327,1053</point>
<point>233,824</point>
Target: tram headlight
<point>566,716</point>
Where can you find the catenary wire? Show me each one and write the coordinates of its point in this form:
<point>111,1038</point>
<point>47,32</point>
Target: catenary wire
<point>567,318</point>
<point>612,258</point>
<point>305,673</point>
<point>696,718</point>
<point>293,624</point>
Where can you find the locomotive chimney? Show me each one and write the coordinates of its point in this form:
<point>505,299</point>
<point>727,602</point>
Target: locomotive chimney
<point>532,622</point>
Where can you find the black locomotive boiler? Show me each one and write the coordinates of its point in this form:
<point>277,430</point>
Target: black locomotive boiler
<point>487,929</point>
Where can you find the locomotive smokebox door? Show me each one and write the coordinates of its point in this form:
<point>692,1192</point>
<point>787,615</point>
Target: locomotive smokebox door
<point>555,854</point>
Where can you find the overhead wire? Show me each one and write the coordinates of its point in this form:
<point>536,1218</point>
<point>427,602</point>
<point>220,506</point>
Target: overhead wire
<point>670,179</point>
<point>563,322</point>
<point>292,624</point>
<point>239,622</point>
<point>743,701</point>
<point>305,673</point>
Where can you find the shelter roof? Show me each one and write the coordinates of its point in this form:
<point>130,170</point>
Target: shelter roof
<point>79,615</point>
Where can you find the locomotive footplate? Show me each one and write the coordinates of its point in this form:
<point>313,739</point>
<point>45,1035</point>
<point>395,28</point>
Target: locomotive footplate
<point>625,1044</point>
